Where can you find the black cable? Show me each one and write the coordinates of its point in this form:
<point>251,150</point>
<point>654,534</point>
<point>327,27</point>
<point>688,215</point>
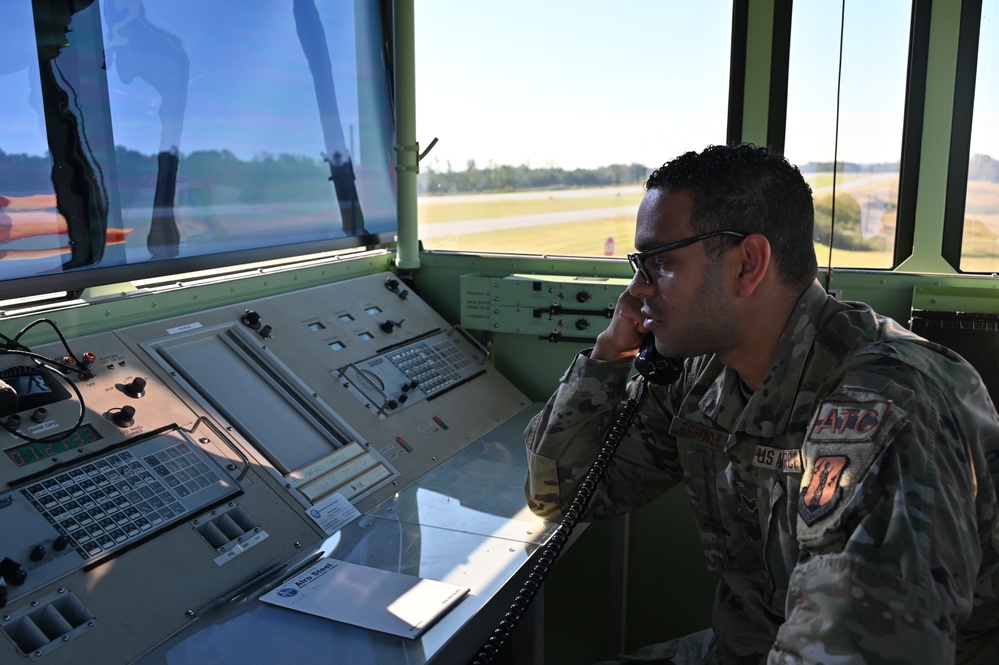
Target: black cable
<point>21,370</point>
<point>560,537</point>
<point>14,347</point>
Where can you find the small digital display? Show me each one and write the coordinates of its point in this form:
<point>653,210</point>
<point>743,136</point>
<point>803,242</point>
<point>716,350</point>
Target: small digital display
<point>37,389</point>
<point>32,452</point>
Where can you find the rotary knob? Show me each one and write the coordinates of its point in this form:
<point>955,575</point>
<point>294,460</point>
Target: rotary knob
<point>136,387</point>
<point>251,318</point>
<point>124,416</point>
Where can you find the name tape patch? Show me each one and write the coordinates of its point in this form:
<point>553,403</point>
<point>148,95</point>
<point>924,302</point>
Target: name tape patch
<point>697,432</point>
<point>848,422</point>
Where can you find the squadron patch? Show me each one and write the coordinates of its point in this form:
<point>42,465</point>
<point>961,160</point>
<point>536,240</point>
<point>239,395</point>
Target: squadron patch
<point>822,493</point>
<point>847,422</point>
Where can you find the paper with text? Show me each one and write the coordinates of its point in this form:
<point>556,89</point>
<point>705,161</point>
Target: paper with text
<point>381,600</point>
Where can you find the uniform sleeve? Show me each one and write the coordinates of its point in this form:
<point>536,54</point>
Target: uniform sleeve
<point>564,438</point>
<point>891,525</point>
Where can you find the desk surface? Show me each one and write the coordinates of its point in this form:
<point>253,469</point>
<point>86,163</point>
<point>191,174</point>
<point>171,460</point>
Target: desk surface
<point>464,523</point>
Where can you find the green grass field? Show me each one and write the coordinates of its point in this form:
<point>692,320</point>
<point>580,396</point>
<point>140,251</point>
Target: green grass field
<point>588,236</point>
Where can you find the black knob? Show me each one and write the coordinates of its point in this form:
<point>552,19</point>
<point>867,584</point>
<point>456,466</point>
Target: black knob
<point>123,417</point>
<point>583,296</point>
<point>136,387</point>
<point>251,318</point>
<point>392,284</point>
<point>14,421</point>
<point>60,543</point>
<point>388,326</point>
<point>9,570</point>
<point>37,553</point>
<point>403,397</point>
<point>40,415</point>
<point>265,332</point>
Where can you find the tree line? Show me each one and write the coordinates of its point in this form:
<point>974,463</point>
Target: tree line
<point>507,178</point>
<point>287,177</point>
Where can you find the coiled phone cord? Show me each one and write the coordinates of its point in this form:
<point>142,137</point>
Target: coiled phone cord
<point>553,548</point>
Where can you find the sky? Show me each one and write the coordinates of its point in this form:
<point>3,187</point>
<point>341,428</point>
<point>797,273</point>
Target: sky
<point>585,83</point>
<point>570,83</point>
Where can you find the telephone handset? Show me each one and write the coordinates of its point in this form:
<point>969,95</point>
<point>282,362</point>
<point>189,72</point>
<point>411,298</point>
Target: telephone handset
<point>654,366</point>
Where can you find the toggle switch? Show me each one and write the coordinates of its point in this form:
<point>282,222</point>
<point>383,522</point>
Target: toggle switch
<point>389,325</point>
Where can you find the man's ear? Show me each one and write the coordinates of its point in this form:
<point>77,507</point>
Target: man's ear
<point>754,257</point>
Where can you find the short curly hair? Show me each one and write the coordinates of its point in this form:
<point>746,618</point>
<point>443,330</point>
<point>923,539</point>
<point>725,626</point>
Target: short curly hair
<point>752,189</point>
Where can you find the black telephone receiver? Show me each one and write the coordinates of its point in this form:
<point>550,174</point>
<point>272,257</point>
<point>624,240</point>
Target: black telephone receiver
<point>654,366</point>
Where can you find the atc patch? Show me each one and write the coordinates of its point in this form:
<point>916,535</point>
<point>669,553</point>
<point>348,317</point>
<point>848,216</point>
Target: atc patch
<point>820,496</point>
<point>847,422</point>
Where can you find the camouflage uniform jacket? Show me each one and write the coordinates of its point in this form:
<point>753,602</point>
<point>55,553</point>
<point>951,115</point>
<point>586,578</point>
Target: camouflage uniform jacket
<point>848,505</point>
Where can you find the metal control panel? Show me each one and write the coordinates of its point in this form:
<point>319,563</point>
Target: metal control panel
<point>175,460</point>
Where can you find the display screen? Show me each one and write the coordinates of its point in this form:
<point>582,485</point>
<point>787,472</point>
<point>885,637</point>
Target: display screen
<point>37,389</point>
<point>151,137</point>
<point>32,452</point>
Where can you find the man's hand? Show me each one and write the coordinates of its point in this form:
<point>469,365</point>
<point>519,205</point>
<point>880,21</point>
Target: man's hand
<point>621,339</point>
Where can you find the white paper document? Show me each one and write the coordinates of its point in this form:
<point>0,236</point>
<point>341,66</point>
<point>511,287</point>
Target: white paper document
<point>381,600</point>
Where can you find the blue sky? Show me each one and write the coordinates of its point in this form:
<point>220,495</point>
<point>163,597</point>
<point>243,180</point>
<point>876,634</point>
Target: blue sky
<point>589,82</point>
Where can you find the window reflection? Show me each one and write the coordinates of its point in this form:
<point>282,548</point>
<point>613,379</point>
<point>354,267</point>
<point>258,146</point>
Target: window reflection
<point>844,117</point>
<point>142,131</point>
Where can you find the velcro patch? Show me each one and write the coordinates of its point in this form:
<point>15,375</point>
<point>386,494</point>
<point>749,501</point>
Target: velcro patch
<point>822,493</point>
<point>696,432</point>
<point>778,459</point>
<point>847,421</point>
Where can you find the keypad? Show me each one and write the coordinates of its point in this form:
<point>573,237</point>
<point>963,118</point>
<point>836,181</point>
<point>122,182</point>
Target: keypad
<point>434,366</point>
<point>110,502</point>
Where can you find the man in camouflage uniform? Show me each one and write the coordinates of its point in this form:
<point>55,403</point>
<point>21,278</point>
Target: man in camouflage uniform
<point>842,470</point>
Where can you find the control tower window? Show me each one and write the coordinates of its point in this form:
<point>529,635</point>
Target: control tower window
<point>146,138</point>
<point>980,244</point>
<point>845,104</point>
<point>545,140</point>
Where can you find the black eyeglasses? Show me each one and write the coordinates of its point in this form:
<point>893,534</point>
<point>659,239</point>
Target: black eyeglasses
<point>638,259</point>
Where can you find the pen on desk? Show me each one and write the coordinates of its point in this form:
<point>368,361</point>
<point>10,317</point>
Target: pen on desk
<point>291,573</point>
<point>235,593</point>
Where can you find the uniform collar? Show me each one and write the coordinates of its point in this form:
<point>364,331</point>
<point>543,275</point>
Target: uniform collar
<point>771,403</point>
